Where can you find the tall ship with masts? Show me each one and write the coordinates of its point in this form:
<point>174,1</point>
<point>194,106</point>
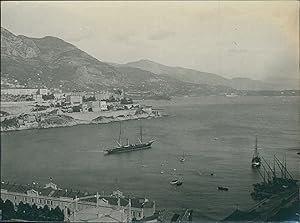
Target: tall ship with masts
<point>256,160</point>
<point>122,148</point>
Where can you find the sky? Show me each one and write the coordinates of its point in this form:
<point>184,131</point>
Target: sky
<point>258,40</point>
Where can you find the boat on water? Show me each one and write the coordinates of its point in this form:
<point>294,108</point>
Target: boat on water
<point>182,158</point>
<point>176,182</point>
<point>256,160</point>
<point>223,188</point>
<point>122,148</point>
<point>232,95</point>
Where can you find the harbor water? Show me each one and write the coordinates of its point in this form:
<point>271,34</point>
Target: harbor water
<point>215,134</point>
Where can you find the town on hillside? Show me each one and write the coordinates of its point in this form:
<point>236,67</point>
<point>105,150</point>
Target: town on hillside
<point>23,108</point>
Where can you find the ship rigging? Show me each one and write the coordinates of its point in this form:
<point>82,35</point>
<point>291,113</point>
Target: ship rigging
<point>121,148</point>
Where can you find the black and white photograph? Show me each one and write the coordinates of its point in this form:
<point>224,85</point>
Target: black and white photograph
<point>150,111</point>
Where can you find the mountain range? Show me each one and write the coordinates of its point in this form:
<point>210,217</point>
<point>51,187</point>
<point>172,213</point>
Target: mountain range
<point>51,62</point>
<point>194,76</point>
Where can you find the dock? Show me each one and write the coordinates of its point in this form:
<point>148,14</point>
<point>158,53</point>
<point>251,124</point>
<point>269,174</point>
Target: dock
<point>275,193</point>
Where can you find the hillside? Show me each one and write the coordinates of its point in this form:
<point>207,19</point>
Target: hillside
<point>165,85</point>
<point>198,77</point>
<point>54,63</point>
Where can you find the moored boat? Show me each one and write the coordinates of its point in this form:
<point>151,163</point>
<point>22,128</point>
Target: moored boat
<point>182,158</point>
<point>223,188</point>
<point>121,148</point>
<point>176,182</point>
<point>256,160</point>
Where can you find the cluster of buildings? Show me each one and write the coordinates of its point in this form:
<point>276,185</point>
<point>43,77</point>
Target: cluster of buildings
<point>82,101</point>
<point>78,205</point>
<point>93,101</point>
<point>24,94</point>
<point>81,206</point>
<point>24,91</point>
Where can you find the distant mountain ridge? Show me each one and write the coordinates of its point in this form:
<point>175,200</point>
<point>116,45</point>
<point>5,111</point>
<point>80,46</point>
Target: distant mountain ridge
<point>55,63</point>
<point>52,62</point>
<point>194,76</point>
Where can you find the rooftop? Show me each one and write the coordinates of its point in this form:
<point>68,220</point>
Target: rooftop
<point>136,202</point>
<point>105,215</point>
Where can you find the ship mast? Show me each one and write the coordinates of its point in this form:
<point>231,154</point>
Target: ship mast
<point>141,134</point>
<point>284,167</point>
<point>120,134</point>
<point>255,148</point>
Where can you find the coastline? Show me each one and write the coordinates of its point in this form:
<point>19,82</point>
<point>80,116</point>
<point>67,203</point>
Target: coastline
<point>67,120</point>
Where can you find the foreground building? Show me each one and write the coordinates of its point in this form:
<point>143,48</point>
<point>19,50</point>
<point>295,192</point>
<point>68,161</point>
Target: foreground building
<point>75,202</point>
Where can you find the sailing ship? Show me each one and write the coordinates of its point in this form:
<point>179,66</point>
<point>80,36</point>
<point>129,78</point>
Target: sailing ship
<point>256,161</point>
<point>122,148</point>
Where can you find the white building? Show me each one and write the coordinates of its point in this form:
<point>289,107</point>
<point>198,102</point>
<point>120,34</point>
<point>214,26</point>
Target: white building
<point>147,109</point>
<point>43,91</point>
<point>94,105</point>
<point>19,91</point>
<point>103,106</point>
<point>53,197</point>
<point>102,96</point>
<point>74,99</point>
<point>38,98</point>
<point>25,91</point>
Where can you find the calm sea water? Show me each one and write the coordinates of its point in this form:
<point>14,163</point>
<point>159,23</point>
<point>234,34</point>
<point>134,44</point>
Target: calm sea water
<point>216,134</point>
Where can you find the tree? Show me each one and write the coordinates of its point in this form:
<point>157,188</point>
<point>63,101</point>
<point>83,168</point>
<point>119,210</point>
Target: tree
<point>34,213</point>
<point>8,211</point>
<point>1,204</point>
<point>126,101</point>
<point>76,108</point>
<point>111,99</point>
<point>27,212</point>
<point>56,214</point>
<point>48,97</point>
<point>40,214</point>
<point>91,98</point>
<point>46,211</point>
<point>20,210</point>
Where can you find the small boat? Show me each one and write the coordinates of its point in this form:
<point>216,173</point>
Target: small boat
<point>223,188</point>
<point>182,159</point>
<point>176,182</point>
<point>256,160</point>
<point>179,183</point>
<point>161,172</point>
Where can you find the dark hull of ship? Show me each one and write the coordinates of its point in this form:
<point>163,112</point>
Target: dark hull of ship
<point>130,148</point>
<point>256,162</point>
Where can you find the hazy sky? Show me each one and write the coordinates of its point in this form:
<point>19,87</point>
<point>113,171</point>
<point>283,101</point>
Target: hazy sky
<point>245,39</point>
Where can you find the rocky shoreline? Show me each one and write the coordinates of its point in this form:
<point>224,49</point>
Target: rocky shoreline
<point>50,120</point>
